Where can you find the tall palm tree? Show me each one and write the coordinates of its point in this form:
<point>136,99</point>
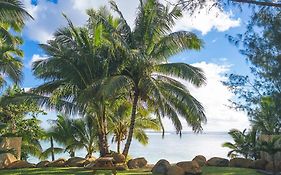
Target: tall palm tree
<point>148,74</point>
<point>119,124</point>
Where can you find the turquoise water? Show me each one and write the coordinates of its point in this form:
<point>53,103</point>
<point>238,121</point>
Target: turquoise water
<point>172,147</point>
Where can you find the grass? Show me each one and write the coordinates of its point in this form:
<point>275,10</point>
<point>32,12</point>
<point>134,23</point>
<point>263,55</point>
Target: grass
<point>81,171</point>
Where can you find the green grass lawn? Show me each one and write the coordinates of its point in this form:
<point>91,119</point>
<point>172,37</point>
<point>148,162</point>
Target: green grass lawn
<point>81,171</point>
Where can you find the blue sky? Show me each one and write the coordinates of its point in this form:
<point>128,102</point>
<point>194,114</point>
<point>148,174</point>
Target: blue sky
<point>217,58</point>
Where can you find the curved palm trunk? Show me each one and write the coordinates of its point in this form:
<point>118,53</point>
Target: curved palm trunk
<point>132,124</point>
<point>52,147</point>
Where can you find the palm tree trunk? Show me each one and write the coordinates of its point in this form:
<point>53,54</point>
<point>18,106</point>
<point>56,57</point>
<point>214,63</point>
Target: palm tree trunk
<point>52,147</point>
<point>105,141</point>
<point>72,153</point>
<point>118,145</point>
<point>101,144</point>
<point>132,124</point>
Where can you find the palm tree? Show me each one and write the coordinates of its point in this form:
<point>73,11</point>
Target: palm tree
<point>120,123</point>
<point>245,144</point>
<point>86,134</point>
<point>63,131</point>
<point>76,71</point>
<point>52,150</point>
<point>148,74</point>
<point>272,147</point>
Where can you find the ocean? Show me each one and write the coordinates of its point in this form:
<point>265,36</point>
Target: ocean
<point>172,147</point>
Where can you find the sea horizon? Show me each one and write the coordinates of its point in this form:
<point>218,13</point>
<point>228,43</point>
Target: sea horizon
<point>172,147</point>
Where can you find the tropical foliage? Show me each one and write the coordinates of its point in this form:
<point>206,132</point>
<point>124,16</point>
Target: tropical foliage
<point>12,17</point>
<point>119,124</point>
<point>21,121</point>
<point>245,144</point>
<point>89,67</point>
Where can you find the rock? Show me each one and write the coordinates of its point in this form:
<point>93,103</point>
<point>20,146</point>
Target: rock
<point>57,163</point>
<point>137,163</point>
<point>104,162</point>
<point>6,159</point>
<point>42,164</point>
<point>217,161</point>
<point>201,160</point>
<point>161,167</point>
<point>121,166</point>
<point>20,164</point>
<point>119,158</point>
<point>190,167</point>
<point>269,166</point>
<point>240,163</point>
<point>175,170</point>
<point>149,166</point>
<point>76,162</point>
<point>90,160</point>
<point>259,164</point>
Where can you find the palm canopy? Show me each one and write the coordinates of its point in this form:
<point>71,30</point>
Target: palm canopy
<point>12,16</point>
<point>13,13</point>
<point>148,71</point>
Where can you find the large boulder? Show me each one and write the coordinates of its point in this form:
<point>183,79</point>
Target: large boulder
<point>137,163</point>
<point>217,161</point>
<point>259,164</point>
<point>240,163</point>
<point>42,164</point>
<point>121,166</point>
<point>19,164</point>
<point>76,162</point>
<point>161,167</point>
<point>201,160</point>
<point>6,159</point>
<point>190,167</point>
<point>175,170</point>
<point>57,163</point>
<point>104,162</point>
<point>119,158</point>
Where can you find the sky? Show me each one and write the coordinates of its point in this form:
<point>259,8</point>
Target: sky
<point>217,58</point>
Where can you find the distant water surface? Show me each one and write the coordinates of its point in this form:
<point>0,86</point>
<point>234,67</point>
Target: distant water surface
<point>172,147</point>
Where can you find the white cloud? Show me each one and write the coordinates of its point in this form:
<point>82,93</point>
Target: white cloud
<point>215,99</point>
<point>208,18</point>
<point>36,57</point>
<point>48,17</point>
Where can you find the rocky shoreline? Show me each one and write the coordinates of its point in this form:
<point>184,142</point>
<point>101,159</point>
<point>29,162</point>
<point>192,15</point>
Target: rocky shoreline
<point>193,167</point>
